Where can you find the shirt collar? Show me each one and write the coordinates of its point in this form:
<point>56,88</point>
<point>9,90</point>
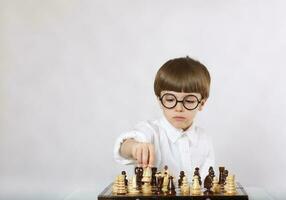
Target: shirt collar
<point>174,133</point>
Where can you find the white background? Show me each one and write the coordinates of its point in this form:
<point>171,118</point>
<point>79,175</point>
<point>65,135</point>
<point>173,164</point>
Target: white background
<point>75,74</point>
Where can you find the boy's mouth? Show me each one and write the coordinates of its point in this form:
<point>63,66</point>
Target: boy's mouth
<point>178,118</point>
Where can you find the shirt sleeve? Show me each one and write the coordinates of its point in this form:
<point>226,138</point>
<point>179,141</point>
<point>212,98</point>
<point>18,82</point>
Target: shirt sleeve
<point>142,133</point>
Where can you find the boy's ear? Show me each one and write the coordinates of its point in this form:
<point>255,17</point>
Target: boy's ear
<point>159,102</point>
<point>202,104</point>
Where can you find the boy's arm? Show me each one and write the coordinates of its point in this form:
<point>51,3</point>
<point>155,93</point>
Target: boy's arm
<point>143,153</point>
<point>130,147</point>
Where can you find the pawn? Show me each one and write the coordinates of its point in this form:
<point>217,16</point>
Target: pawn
<point>171,187</point>
<point>216,187</point>
<point>196,188</point>
<point>197,173</point>
<point>185,187</point>
<point>182,175</point>
<point>125,177</point>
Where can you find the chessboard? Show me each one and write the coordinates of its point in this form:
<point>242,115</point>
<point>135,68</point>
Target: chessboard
<point>107,194</point>
<point>148,184</point>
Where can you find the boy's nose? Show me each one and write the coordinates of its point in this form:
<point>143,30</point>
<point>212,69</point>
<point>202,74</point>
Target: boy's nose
<point>179,107</point>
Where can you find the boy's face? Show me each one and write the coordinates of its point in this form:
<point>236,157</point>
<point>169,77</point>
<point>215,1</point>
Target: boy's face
<point>179,116</point>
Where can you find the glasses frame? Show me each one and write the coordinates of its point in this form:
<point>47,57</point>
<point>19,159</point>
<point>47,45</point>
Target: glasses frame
<point>177,101</point>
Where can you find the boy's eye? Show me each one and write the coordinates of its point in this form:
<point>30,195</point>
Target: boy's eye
<point>190,101</point>
<point>170,100</point>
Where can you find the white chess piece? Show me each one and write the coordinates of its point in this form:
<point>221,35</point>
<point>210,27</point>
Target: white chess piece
<point>196,188</point>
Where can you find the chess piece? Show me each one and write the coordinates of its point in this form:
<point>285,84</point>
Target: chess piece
<point>211,172</point>
<point>225,174</point>
<point>165,182</point>
<point>230,187</point>
<point>139,176</point>
<point>114,186</point>
<point>221,170</point>
<point>223,180</point>
<point>197,173</point>
<point>147,174</point>
<point>125,179</point>
<point>159,180</point>
<point>182,175</point>
<point>196,188</point>
<point>147,188</point>
<point>185,187</point>
<point>171,186</point>
<point>153,179</point>
<point>121,188</point>
<point>166,170</point>
<point>136,170</point>
<point>208,184</point>
<point>215,186</point>
<point>132,186</point>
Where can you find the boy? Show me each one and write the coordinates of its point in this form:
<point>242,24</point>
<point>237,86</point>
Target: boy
<point>182,88</point>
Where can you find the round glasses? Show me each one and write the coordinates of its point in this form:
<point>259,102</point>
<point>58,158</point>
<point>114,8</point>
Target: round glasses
<point>190,102</point>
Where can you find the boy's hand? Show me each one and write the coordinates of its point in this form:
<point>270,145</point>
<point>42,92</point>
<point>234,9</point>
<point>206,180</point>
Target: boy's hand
<point>144,153</point>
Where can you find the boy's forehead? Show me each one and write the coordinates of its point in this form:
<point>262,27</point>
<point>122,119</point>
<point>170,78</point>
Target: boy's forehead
<point>180,93</point>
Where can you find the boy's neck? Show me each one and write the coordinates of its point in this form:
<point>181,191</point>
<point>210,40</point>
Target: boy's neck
<point>179,129</point>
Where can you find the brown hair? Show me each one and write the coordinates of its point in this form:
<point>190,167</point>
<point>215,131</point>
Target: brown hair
<point>183,75</point>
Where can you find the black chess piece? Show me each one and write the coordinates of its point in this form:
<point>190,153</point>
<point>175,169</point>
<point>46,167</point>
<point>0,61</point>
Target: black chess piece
<point>208,182</point>
<point>180,180</point>
<point>159,181</point>
<point>125,177</point>
<point>139,176</point>
<point>197,173</point>
<point>225,174</point>
<point>136,170</point>
<point>211,172</point>
<point>153,178</point>
<point>221,170</point>
<point>171,186</point>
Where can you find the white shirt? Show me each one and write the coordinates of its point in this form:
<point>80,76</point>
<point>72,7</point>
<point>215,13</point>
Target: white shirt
<point>179,150</point>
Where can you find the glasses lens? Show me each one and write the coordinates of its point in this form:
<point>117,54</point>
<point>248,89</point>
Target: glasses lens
<point>169,100</point>
<point>191,102</point>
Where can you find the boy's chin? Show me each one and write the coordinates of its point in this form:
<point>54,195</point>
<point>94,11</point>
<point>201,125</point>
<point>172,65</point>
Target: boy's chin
<point>181,126</point>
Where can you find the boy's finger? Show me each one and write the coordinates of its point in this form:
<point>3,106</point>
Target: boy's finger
<point>151,155</point>
<point>145,155</point>
<point>134,153</point>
